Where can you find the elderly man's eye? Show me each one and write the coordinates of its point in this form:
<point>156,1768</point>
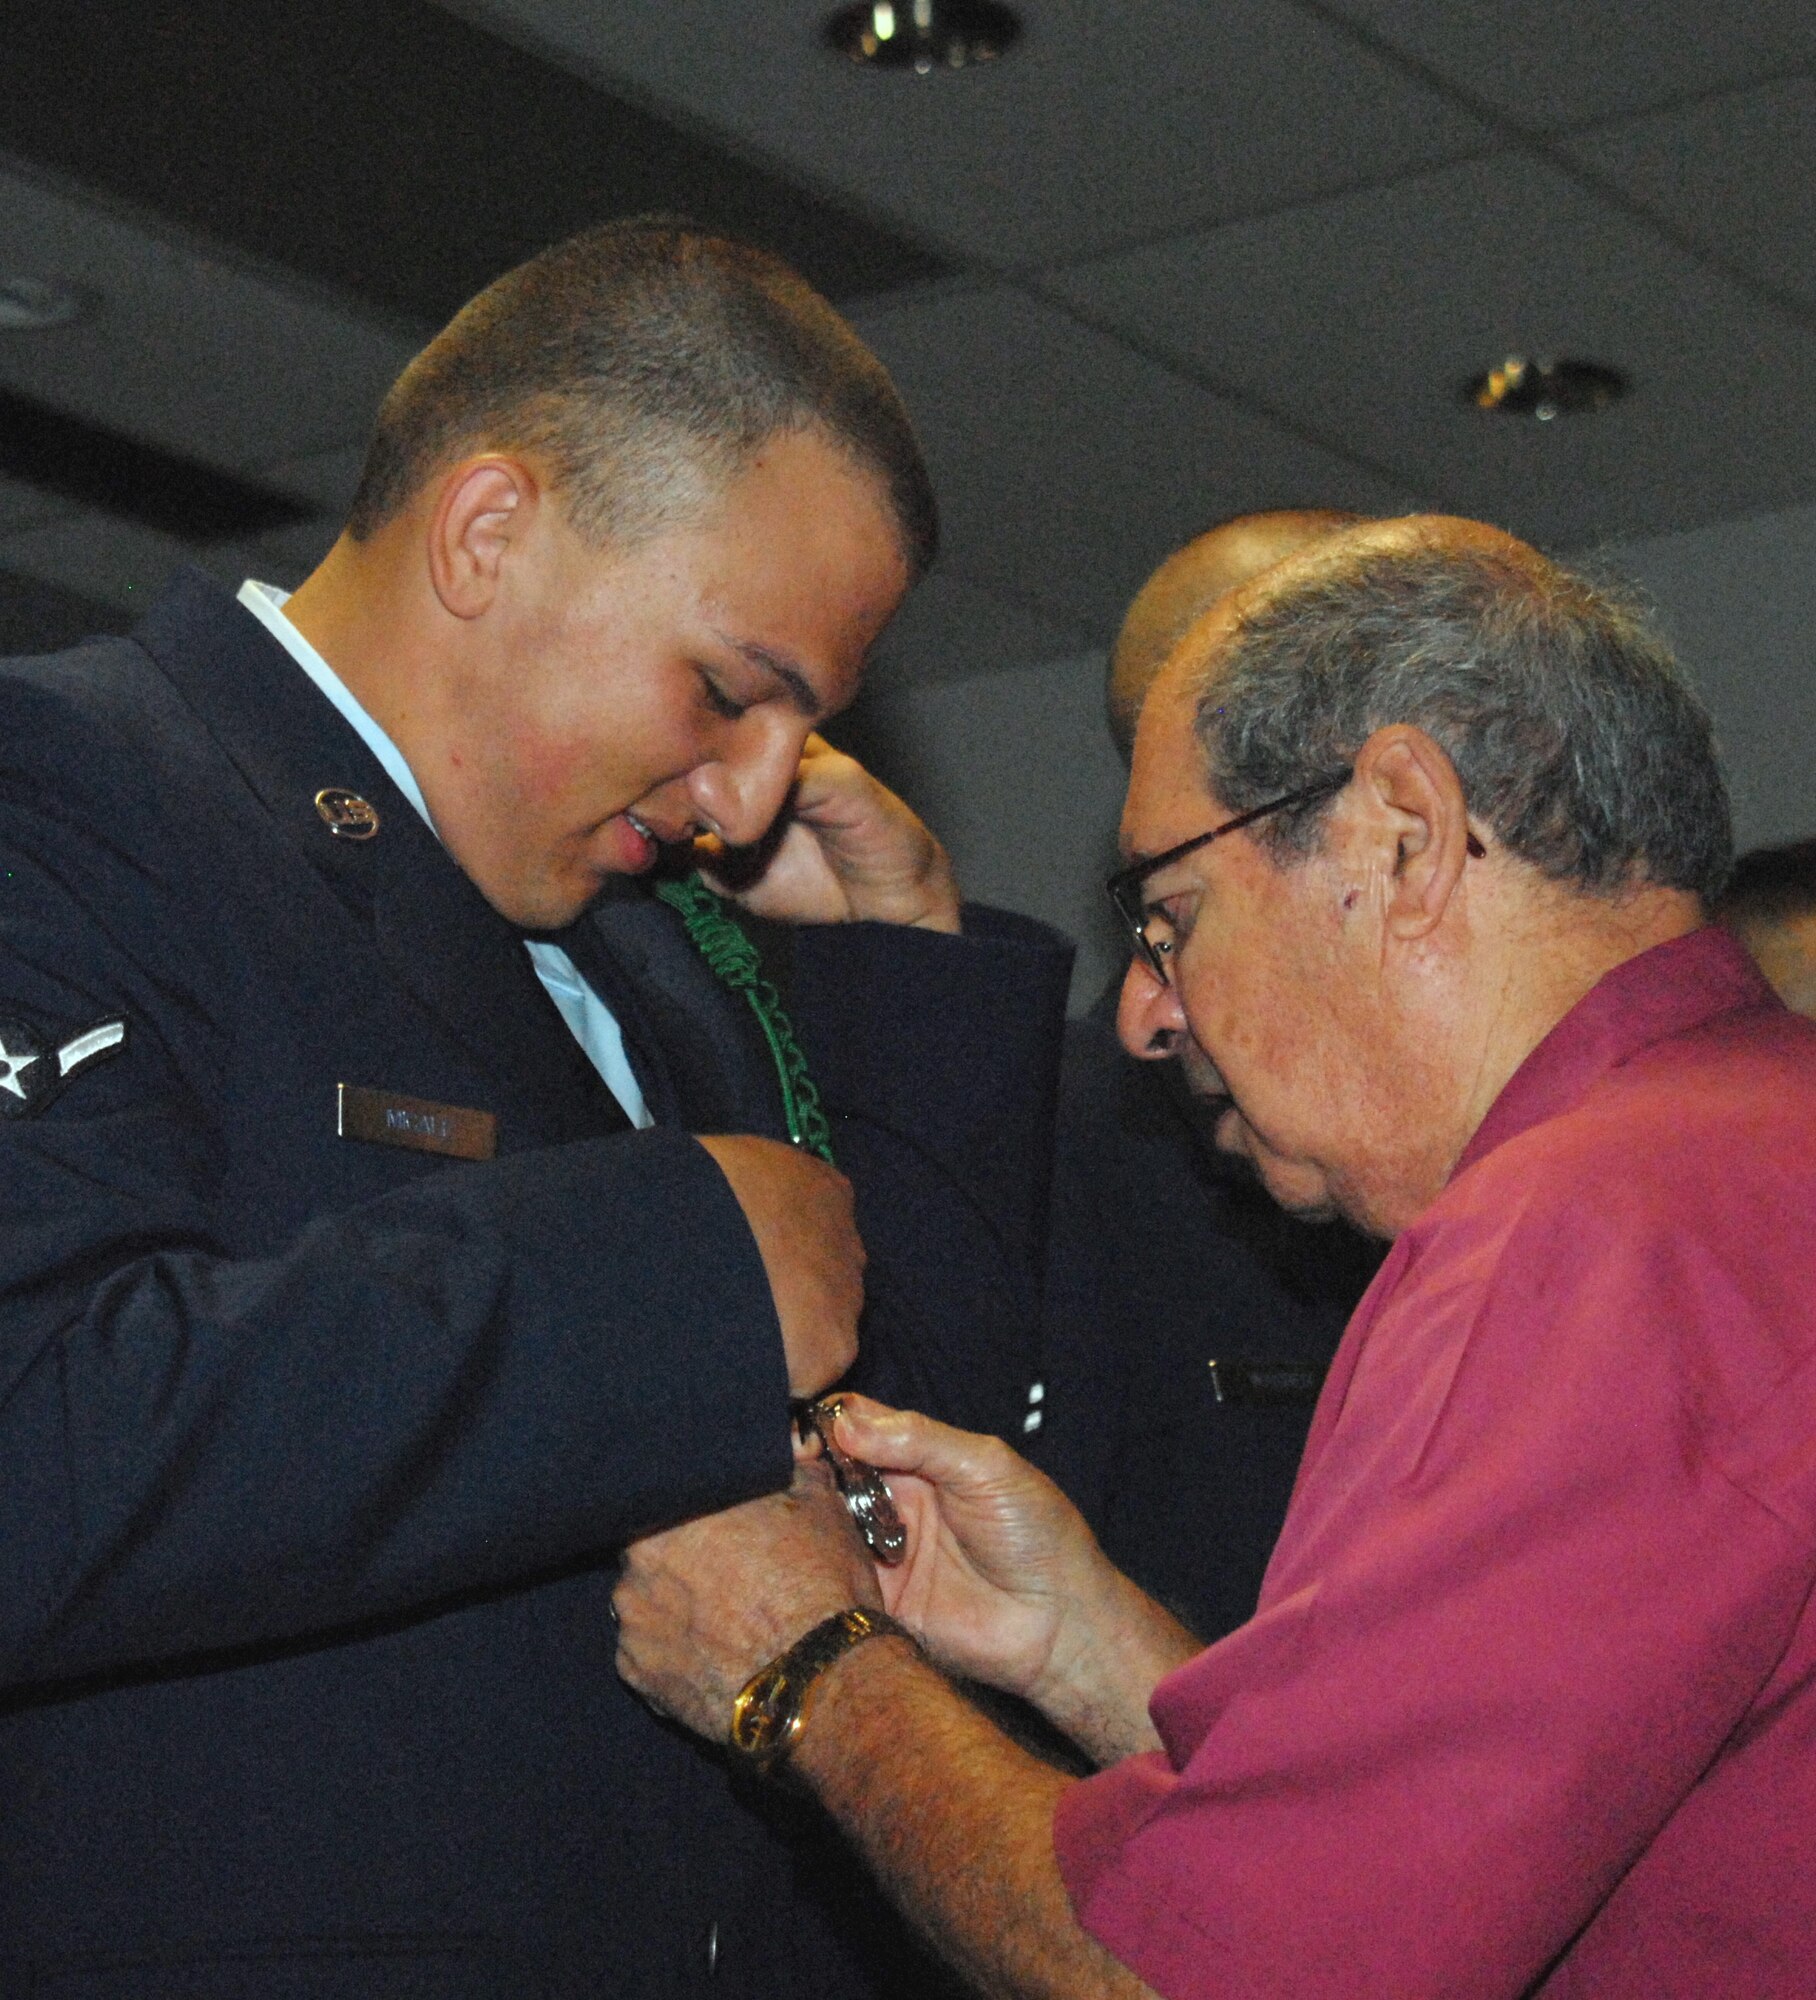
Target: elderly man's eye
<point>1162,929</point>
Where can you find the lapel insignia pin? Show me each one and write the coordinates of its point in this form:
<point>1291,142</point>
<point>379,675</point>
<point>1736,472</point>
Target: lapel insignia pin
<point>34,1069</point>
<point>346,815</point>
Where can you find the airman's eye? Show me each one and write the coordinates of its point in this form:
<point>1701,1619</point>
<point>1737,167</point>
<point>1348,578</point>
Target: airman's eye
<point>721,703</point>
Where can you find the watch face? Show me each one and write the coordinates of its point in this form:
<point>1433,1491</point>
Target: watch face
<point>763,1712</point>
<point>771,1709</point>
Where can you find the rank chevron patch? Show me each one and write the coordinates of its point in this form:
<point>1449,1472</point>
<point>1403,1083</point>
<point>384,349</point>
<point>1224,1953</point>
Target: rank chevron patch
<point>35,1068</point>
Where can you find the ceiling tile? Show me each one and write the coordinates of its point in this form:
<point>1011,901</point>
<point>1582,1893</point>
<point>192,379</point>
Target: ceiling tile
<point>39,618</point>
<point>1421,285</point>
<point>953,629</point>
<point>326,479</point>
<point>1017,775</point>
<point>1067,465</point>
<point>1738,599</point>
<point>1551,63</point>
<point>1101,118</point>
<point>182,348</point>
<point>283,557</point>
<point>394,152</point>
<point>1737,173</point>
<point>119,562</point>
<point>26,506</point>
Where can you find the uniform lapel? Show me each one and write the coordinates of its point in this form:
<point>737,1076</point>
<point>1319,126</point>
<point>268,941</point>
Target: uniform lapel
<point>436,933</point>
<point>695,1047</point>
<point>447,944</point>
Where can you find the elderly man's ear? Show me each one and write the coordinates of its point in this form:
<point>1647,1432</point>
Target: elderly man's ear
<point>1414,827</point>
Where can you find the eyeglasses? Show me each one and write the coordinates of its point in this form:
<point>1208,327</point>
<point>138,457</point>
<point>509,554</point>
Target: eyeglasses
<point>1126,884</point>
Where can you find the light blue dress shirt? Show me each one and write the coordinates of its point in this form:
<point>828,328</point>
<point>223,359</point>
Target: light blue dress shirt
<point>592,1023</point>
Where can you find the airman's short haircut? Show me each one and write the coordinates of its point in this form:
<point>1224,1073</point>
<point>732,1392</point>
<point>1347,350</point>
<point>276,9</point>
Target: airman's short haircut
<point>643,363</point>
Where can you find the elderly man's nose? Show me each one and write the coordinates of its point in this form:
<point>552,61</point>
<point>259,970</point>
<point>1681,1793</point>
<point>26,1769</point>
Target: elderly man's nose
<point>1149,1020</point>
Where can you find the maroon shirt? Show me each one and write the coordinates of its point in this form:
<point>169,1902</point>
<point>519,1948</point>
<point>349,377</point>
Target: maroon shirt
<point>1530,1698</point>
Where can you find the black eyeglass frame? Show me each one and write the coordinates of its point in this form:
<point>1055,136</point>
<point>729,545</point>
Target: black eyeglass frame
<point>1124,886</point>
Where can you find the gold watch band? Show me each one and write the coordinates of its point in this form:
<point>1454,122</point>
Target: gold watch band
<point>771,1709</point>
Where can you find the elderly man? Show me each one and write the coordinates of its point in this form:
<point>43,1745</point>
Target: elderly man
<point>363,1281</point>
<point>1422,832</point>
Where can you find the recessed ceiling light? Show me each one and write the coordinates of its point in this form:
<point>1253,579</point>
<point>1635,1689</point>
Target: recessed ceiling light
<point>1543,390</point>
<point>923,35</point>
<point>28,305</point>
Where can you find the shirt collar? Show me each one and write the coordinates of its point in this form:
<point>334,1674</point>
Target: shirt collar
<point>1665,991</point>
<point>266,603</point>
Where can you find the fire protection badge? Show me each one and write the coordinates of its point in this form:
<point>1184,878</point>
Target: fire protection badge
<point>36,1068</point>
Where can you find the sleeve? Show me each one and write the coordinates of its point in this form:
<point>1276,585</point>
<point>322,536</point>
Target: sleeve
<point>937,1058</point>
<point>450,1386</point>
<point>1545,1561</point>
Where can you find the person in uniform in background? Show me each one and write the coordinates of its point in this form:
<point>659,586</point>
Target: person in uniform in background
<point>1770,905</point>
<point>1421,837</point>
<point>363,1281</point>
<point>1188,1318</point>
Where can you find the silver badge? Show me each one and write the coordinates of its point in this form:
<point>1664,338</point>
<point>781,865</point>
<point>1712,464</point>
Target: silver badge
<point>346,815</point>
<point>865,1490</point>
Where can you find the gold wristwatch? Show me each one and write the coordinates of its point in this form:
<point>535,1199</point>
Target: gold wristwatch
<point>771,1709</point>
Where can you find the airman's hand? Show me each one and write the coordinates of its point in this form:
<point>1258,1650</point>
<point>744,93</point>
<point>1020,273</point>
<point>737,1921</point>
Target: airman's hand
<point>799,1210</point>
<point>845,849</point>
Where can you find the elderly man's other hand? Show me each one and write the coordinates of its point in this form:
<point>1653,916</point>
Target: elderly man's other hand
<point>799,1210</point>
<point>704,1606</point>
<point>845,849</point>
<point>1004,1583</point>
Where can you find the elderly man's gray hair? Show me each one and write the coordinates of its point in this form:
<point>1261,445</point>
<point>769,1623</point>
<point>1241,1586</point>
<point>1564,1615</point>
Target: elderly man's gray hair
<point>1574,733</point>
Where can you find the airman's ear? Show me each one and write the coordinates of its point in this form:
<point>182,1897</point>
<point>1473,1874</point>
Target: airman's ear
<point>1413,809</point>
<point>482,507</point>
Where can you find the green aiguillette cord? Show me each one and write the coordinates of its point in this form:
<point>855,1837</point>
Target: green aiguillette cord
<point>734,962</point>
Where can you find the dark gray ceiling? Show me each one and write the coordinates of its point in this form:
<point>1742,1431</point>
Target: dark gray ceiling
<point>1171,259</point>
<point>388,148</point>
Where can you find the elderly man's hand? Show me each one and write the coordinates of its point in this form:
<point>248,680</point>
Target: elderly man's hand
<point>846,849</point>
<point>995,1549</point>
<point>704,1606</point>
<point>1004,1583</point>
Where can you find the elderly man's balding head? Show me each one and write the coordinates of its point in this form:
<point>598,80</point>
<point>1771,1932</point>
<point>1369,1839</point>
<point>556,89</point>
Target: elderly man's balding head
<point>1188,583</point>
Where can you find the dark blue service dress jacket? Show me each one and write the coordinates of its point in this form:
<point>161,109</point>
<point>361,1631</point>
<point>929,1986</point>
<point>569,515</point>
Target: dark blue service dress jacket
<point>313,1452</point>
<point>1164,1259</point>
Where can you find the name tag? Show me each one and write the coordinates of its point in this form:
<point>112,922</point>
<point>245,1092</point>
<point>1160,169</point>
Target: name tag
<point>386,1119</point>
<point>1267,1385</point>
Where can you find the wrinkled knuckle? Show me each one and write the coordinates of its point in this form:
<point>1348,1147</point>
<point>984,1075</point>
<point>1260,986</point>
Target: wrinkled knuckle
<point>994,1456</point>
